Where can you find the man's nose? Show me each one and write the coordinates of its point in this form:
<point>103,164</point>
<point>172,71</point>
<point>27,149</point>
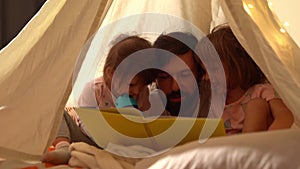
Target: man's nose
<point>174,85</point>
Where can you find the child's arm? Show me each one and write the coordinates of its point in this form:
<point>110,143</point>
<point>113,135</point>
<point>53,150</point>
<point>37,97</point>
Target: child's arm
<point>283,117</point>
<point>257,114</point>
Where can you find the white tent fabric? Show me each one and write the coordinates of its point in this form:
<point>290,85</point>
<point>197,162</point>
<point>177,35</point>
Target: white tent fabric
<point>36,68</point>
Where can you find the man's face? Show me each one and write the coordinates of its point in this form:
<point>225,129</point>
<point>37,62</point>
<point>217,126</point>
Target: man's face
<point>184,91</point>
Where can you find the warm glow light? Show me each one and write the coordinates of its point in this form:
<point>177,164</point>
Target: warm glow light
<point>2,107</point>
<point>287,12</point>
<point>282,30</point>
<point>286,24</point>
<point>250,6</point>
<point>270,4</point>
<point>246,8</point>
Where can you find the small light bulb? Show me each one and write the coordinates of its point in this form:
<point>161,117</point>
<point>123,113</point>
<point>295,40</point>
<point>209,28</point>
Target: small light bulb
<point>282,30</point>
<point>270,4</point>
<point>2,107</point>
<point>286,24</point>
<point>246,8</point>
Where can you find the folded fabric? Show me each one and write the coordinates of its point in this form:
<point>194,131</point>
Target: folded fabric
<point>86,156</point>
<point>135,151</point>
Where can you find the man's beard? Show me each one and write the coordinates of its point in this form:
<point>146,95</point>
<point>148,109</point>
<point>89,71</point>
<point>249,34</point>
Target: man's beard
<point>185,106</point>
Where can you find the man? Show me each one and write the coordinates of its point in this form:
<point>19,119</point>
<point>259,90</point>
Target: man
<point>181,74</point>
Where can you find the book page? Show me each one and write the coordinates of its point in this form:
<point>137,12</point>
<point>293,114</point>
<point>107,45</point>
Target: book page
<point>127,126</point>
<point>112,127</point>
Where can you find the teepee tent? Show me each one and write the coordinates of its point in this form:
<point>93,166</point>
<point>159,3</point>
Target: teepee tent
<point>29,67</point>
<point>38,67</point>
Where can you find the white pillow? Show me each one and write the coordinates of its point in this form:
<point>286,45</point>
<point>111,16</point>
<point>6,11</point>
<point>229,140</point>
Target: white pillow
<point>261,150</point>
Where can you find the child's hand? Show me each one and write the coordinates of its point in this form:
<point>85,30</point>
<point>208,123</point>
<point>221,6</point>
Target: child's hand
<point>126,101</point>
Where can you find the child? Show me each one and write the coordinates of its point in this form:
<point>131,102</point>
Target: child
<point>251,103</point>
<point>103,91</point>
<point>97,93</point>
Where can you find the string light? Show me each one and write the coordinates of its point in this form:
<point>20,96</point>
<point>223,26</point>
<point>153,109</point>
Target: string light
<point>250,6</point>
<point>2,107</point>
<point>286,24</point>
<point>282,30</point>
<point>270,4</point>
<point>246,8</point>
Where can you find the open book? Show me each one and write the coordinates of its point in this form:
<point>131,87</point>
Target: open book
<point>127,126</point>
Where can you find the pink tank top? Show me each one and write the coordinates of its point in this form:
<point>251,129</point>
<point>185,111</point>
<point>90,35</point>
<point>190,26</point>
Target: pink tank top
<point>234,115</point>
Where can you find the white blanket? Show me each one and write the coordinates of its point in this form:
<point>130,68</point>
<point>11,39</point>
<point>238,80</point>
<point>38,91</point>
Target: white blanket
<point>86,156</point>
<point>261,150</point>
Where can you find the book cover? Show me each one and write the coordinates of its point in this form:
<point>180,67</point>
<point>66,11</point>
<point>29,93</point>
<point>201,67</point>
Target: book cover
<point>128,126</point>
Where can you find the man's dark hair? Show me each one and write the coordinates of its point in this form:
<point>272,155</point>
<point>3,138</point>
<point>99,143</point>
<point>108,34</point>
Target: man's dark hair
<point>177,43</point>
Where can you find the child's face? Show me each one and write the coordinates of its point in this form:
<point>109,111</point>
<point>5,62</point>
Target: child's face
<point>136,86</point>
<point>120,85</point>
<point>218,74</point>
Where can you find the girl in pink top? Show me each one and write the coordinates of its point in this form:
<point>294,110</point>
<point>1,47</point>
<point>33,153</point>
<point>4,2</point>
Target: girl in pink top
<point>103,91</point>
<point>97,94</point>
<point>251,103</point>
